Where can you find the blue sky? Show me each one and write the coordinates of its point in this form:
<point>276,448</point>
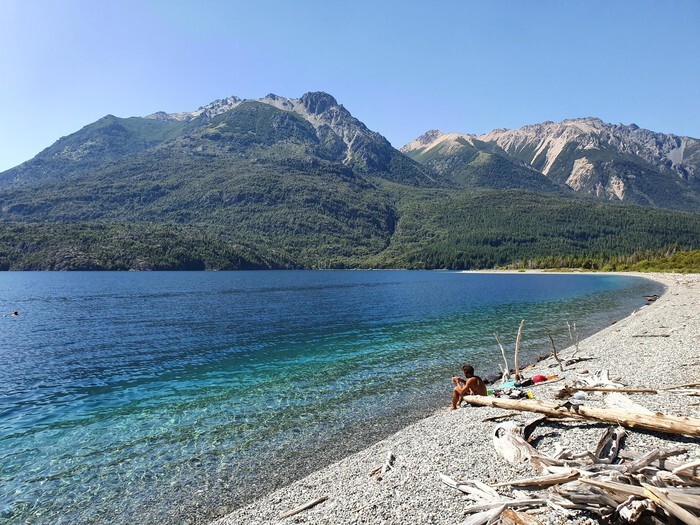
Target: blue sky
<point>402,67</point>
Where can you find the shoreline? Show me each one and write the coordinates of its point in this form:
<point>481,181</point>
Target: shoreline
<point>459,443</point>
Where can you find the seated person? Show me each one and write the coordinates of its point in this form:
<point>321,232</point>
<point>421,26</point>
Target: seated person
<point>472,385</point>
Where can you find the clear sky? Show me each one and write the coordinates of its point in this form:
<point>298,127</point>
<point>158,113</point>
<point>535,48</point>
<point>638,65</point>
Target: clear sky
<point>402,67</point>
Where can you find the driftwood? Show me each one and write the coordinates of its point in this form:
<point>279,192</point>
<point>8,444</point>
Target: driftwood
<point>473,488</point>
<point>542,481</point>
<point>608,389</point>
<point>388,464</point>
<point>600,378</point>
<point>513,517</point>
<point>571,336</point>
<point>633,490</point>
<point>498,418</point>
<point>618,401</point>
<point>662,499</point>
<point>554,351</point>
<point>673,387</point>
<point>302,508</point>
<point>569,391</point>
<point>505,376</point>
<point>671,424</point>
<point>609,445</point>
<point>517,348</point>
<point>484,517</point>
<point>575,360</point>
<point>687,500</point>
<point>688,469</point>
<point>511,446</point>
<point>661,462</point>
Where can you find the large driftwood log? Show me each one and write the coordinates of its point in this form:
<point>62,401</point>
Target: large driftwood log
<point>659,422</point>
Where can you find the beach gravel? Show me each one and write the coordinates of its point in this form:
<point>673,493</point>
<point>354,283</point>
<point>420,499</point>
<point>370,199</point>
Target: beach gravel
<point>656,346</point>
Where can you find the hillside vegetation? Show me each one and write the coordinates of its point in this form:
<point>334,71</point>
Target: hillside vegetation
<point>300,183</point>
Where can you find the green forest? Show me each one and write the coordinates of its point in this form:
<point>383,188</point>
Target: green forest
<point>414,229</point>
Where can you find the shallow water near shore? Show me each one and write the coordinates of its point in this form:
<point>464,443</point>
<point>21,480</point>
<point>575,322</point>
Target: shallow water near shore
<point>170,397</point>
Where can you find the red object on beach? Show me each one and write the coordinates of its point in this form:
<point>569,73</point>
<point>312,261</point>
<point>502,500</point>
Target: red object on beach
<point>539,379</point>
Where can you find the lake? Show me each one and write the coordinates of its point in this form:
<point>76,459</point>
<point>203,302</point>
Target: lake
<point>170,397</point>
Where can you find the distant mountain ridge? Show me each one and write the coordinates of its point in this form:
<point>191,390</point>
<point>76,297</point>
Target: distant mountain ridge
<point>613,162</point>
<point>300,183</point>
<point>337,136</point>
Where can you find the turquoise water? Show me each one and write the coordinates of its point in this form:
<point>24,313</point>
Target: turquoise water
<point>171,397</point>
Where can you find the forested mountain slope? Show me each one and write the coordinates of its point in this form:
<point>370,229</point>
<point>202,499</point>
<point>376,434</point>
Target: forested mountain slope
<point>298,183</point>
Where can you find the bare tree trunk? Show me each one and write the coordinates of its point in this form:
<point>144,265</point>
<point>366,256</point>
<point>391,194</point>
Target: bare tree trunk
<point>671,424</point>
<point>517,347</point>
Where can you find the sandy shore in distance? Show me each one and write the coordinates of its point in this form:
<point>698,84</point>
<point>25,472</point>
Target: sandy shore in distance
<point>459,443</point>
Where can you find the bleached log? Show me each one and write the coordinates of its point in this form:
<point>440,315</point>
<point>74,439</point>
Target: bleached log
<point>484,517</point>
<point>663,462</point>
<point>543,481</point>
<point>608,389</point>
<point>679,497</point>
<point>644,461</point>
<point>510,445</point>
<point>662,499</point>
<point>302,508</point>
<point>557,503</point>
<point>688,469</point>
<point>505,376</point>
<point>473,488</point>
<point>506,503</point>
<point>622,402</point>
<point>517,348</point>
<point>580,495</point>
<point>659,422</point>
<point>600,378</point>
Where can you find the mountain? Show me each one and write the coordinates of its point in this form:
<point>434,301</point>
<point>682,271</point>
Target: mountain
<point>471,163</point>
<point>300,183</point>
<point>612,162</point>
<point>327,130</point>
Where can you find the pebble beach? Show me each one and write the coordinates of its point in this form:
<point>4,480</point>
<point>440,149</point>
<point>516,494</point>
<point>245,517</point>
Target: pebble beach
<point>657,346</point>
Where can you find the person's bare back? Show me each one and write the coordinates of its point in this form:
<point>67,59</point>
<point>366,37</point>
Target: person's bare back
<point>472,385</point>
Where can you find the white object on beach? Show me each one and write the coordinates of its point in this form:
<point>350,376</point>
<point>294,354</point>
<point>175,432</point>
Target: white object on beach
<point>622,402</point>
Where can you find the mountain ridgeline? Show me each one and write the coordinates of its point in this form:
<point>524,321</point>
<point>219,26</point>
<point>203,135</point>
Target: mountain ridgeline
<point>301,183</point>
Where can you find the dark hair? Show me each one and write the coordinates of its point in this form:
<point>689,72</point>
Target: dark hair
<point>468,370</point>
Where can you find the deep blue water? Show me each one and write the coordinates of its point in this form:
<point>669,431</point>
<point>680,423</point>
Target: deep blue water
<point>170,397</point>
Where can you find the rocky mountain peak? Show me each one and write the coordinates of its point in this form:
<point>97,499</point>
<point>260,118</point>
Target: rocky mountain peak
<point>422,141</point>
<point>209,111</point>
<point>317,102</point>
